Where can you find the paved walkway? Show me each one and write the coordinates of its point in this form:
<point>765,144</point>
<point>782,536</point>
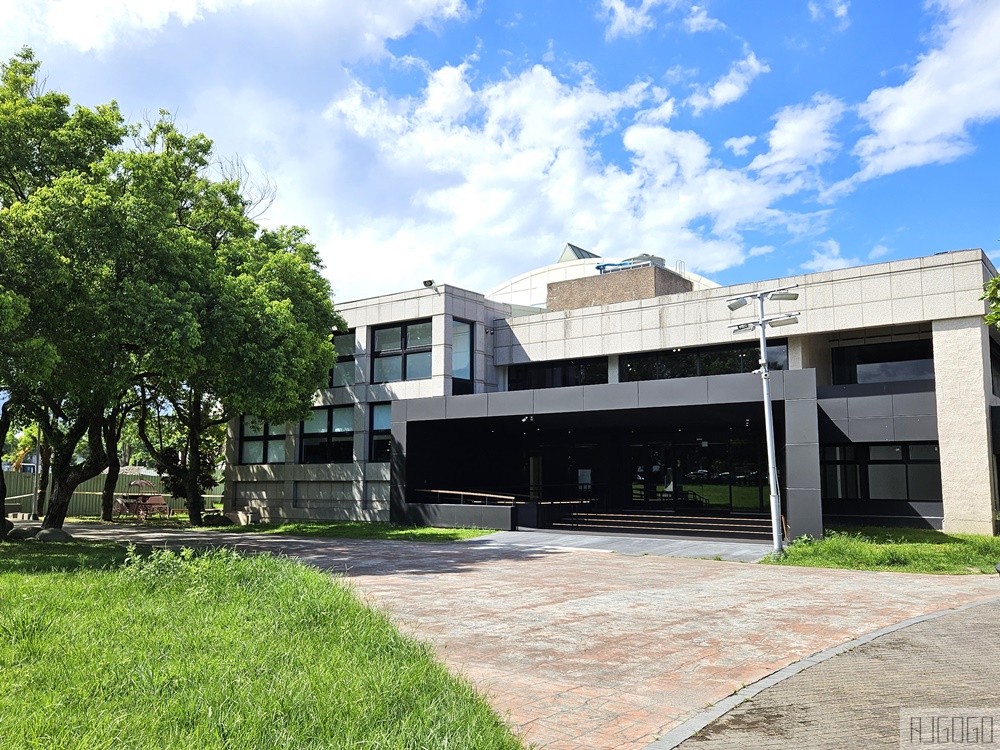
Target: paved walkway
<point>585,649</point>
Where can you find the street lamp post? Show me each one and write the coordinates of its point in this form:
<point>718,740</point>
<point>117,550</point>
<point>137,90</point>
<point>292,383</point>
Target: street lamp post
<point>761,324</point>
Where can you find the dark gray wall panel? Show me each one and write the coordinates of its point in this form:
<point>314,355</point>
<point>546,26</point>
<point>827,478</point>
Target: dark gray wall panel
<point>864,407</point>
<point>676,392</point>
<point>730,389</point>
<point>419,409</point>
<point>804,513</point>
<point>801,422</point>
<point>610,396</point>
<point>870,430</point>
<point>915,428</point>
<point>510,403</point>
<point>559,399</point>
<point>914,404</point>
<point>834,408</point>
<point>802,466</point>
<point>799,384</point>
<point>833,430</point>
<point>460,407</point>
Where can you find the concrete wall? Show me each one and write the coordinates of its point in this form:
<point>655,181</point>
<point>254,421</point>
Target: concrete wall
<point>962,379</point>
<point>617,286</point>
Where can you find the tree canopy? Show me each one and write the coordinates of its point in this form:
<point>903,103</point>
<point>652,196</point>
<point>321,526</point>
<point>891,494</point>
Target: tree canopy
<point>134,278</point>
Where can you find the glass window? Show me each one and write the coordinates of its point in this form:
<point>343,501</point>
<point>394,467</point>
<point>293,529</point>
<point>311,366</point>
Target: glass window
<point>907,471</point>
<point>461,350</point>
<point>887,482</point>
<point>886,453</point>
<point>558,374</point>
<point>327,436</point>
<point>402,352</point>
<point>381,434</point>
<point>418,366</point>
<point>883,363</point>
<point>388,339</point>
<point>343,371</point>
<point>418,335</point>
<point>689,363</point>
<point>261,442</point>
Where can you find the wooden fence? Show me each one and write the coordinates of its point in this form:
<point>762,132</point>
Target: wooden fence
<point>86,499</point>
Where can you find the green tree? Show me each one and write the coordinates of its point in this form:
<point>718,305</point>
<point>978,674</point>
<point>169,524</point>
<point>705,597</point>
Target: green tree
<point>148,275</point>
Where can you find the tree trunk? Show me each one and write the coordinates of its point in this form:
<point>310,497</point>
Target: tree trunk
<point>66,475</point>
<point>43,477</point>
<point>5,419</point>
<point>110,483</point>
<point>192,487</point>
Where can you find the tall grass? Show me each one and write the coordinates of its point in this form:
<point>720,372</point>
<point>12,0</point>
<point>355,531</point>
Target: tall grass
<point>220,650</point>
<point>902,550</point>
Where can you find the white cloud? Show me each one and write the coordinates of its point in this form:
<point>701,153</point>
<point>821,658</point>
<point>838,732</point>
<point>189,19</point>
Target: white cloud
<point>731,87</point>
<point>473,184</point>
<point>878,251</point>
<point>828,258</point>
<point>926,120</point>
<point>699,20</point>
<point>802,137</point>
<point>631,20</point>
<point>740,145</point>
<point>760,250</point>
<point>838,9</point>
<point>99,24</point>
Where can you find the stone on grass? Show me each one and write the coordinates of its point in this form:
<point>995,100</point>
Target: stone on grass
<point>23,532</point>
<point>53,535</point>
<point>216,519</point>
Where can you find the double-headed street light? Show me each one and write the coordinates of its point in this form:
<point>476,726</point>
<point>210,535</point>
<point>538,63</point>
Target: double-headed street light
<point>785,319</point>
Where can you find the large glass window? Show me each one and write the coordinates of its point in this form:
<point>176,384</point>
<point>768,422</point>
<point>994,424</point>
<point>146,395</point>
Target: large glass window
<point>402,352</point>
<point>461,357</point>
<point>327,436</point>
<point>381,432</point>
<point>883,363</point>
<point>261,442</point>
<point>557,374</point>
<point>882,471</point>
<point>343,371</point>
<point>689,363</point>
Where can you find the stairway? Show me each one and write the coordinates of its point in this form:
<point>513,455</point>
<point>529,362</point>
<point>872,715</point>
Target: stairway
<point>750,528</point>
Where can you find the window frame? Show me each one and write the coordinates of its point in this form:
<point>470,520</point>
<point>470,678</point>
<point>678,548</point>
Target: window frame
<point>405,352</point>
<point>377,452</point>
<point>463,386</point>
<point>264,439</point>
<point>347,361</point>
<point>332,437</point>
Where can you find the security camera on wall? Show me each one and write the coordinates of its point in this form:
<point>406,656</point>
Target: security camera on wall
<point>429,283</point>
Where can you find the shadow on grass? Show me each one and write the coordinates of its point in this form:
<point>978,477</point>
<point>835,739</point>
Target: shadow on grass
<point>29,556</point>
<point>886,535</point>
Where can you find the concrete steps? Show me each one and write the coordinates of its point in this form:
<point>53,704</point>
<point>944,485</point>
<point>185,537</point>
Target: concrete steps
<point>755,528</point>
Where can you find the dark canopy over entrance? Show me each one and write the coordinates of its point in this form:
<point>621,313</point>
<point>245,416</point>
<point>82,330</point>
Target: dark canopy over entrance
<point>706,458</point>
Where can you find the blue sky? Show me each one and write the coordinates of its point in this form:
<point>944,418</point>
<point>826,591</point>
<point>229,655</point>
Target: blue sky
<point>469,140</point>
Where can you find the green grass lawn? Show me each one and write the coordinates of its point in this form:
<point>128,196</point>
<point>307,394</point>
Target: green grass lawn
<point>901,550</point>
<point>221,650</point>
<point>324,529</point>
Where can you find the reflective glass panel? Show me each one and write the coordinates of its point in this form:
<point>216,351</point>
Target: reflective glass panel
<point>389,339</point>
<point>887,481</point>
<point>343,373</point>
<point>276,451</point>
<point>253,452</point>
<point>418,366</point>
<point>418,334</point>
<point>343,419</point>
<point>925,481</point>
<point>253,427</point>
<point>388,369</point>
<point>381,416</point>
<point>344,344</point>
<point>461,350</point>
<point>316,422</point>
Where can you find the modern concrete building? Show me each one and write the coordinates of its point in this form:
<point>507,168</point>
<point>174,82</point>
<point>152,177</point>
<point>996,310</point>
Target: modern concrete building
<point>634,405</point>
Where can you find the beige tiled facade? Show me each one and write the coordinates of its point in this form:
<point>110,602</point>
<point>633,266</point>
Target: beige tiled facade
<point>936,297</point>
